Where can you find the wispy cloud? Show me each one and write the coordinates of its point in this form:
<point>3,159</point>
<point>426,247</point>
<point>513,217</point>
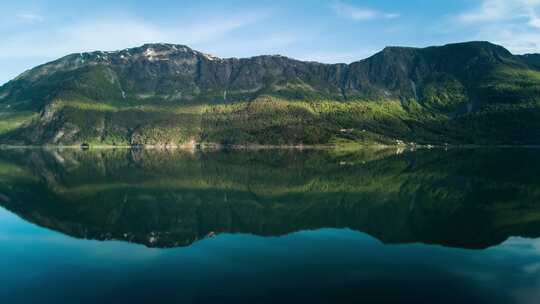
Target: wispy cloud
<point>488,11</point>
<point>360,13</point>
<point>30,18</point>
<point>516,38</point>
<point>503,10</point>
<point>117,33</point>
<point>512,23</point>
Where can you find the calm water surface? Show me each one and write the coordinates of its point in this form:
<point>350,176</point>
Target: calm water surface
<point>120,226</point>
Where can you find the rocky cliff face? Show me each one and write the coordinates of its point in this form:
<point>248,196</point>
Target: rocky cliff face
<point>443,82</point>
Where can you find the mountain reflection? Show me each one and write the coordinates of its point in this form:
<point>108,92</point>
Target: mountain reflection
<point>467,198</point>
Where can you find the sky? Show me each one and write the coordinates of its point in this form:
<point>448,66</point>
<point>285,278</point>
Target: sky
<point>331,31</point>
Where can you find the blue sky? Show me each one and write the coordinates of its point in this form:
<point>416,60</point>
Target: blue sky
<point>38,31</point>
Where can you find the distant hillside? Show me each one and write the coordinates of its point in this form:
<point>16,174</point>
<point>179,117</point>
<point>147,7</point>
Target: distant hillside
<point>159,94</point>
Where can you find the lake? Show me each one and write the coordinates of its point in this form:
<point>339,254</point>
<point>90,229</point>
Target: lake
<point>270,226</point>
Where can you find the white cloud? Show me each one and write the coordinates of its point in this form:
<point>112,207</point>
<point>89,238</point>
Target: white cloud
<point>503,10</point>
<point>30,18</point>
<point>535,22</point>
<point>360,13</point>
<point>512,23</point>
<point>516,39</point>
<point>391,15</point>
<point>489,10</point>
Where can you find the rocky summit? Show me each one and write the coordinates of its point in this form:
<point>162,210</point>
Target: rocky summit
<point>170,95</point>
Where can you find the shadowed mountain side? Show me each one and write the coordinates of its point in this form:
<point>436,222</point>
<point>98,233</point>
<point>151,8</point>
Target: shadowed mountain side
<point>458,198</point>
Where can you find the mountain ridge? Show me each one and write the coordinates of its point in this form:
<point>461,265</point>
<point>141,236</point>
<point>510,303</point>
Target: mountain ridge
<point>401,94</point>
<point>148,50</point>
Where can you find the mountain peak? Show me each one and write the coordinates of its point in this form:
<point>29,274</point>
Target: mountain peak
<point>153,50</point>
<point>163,46</point>
<point>395,48</point>
<point>478,47</point>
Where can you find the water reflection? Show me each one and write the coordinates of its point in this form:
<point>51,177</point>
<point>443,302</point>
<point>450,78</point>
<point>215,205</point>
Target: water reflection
<point>466,198</point>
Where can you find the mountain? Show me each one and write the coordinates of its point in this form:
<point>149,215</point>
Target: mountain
<point>164,94</point>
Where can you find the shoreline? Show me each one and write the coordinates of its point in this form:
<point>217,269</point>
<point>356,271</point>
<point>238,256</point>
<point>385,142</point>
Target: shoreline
<point>264,147</point>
